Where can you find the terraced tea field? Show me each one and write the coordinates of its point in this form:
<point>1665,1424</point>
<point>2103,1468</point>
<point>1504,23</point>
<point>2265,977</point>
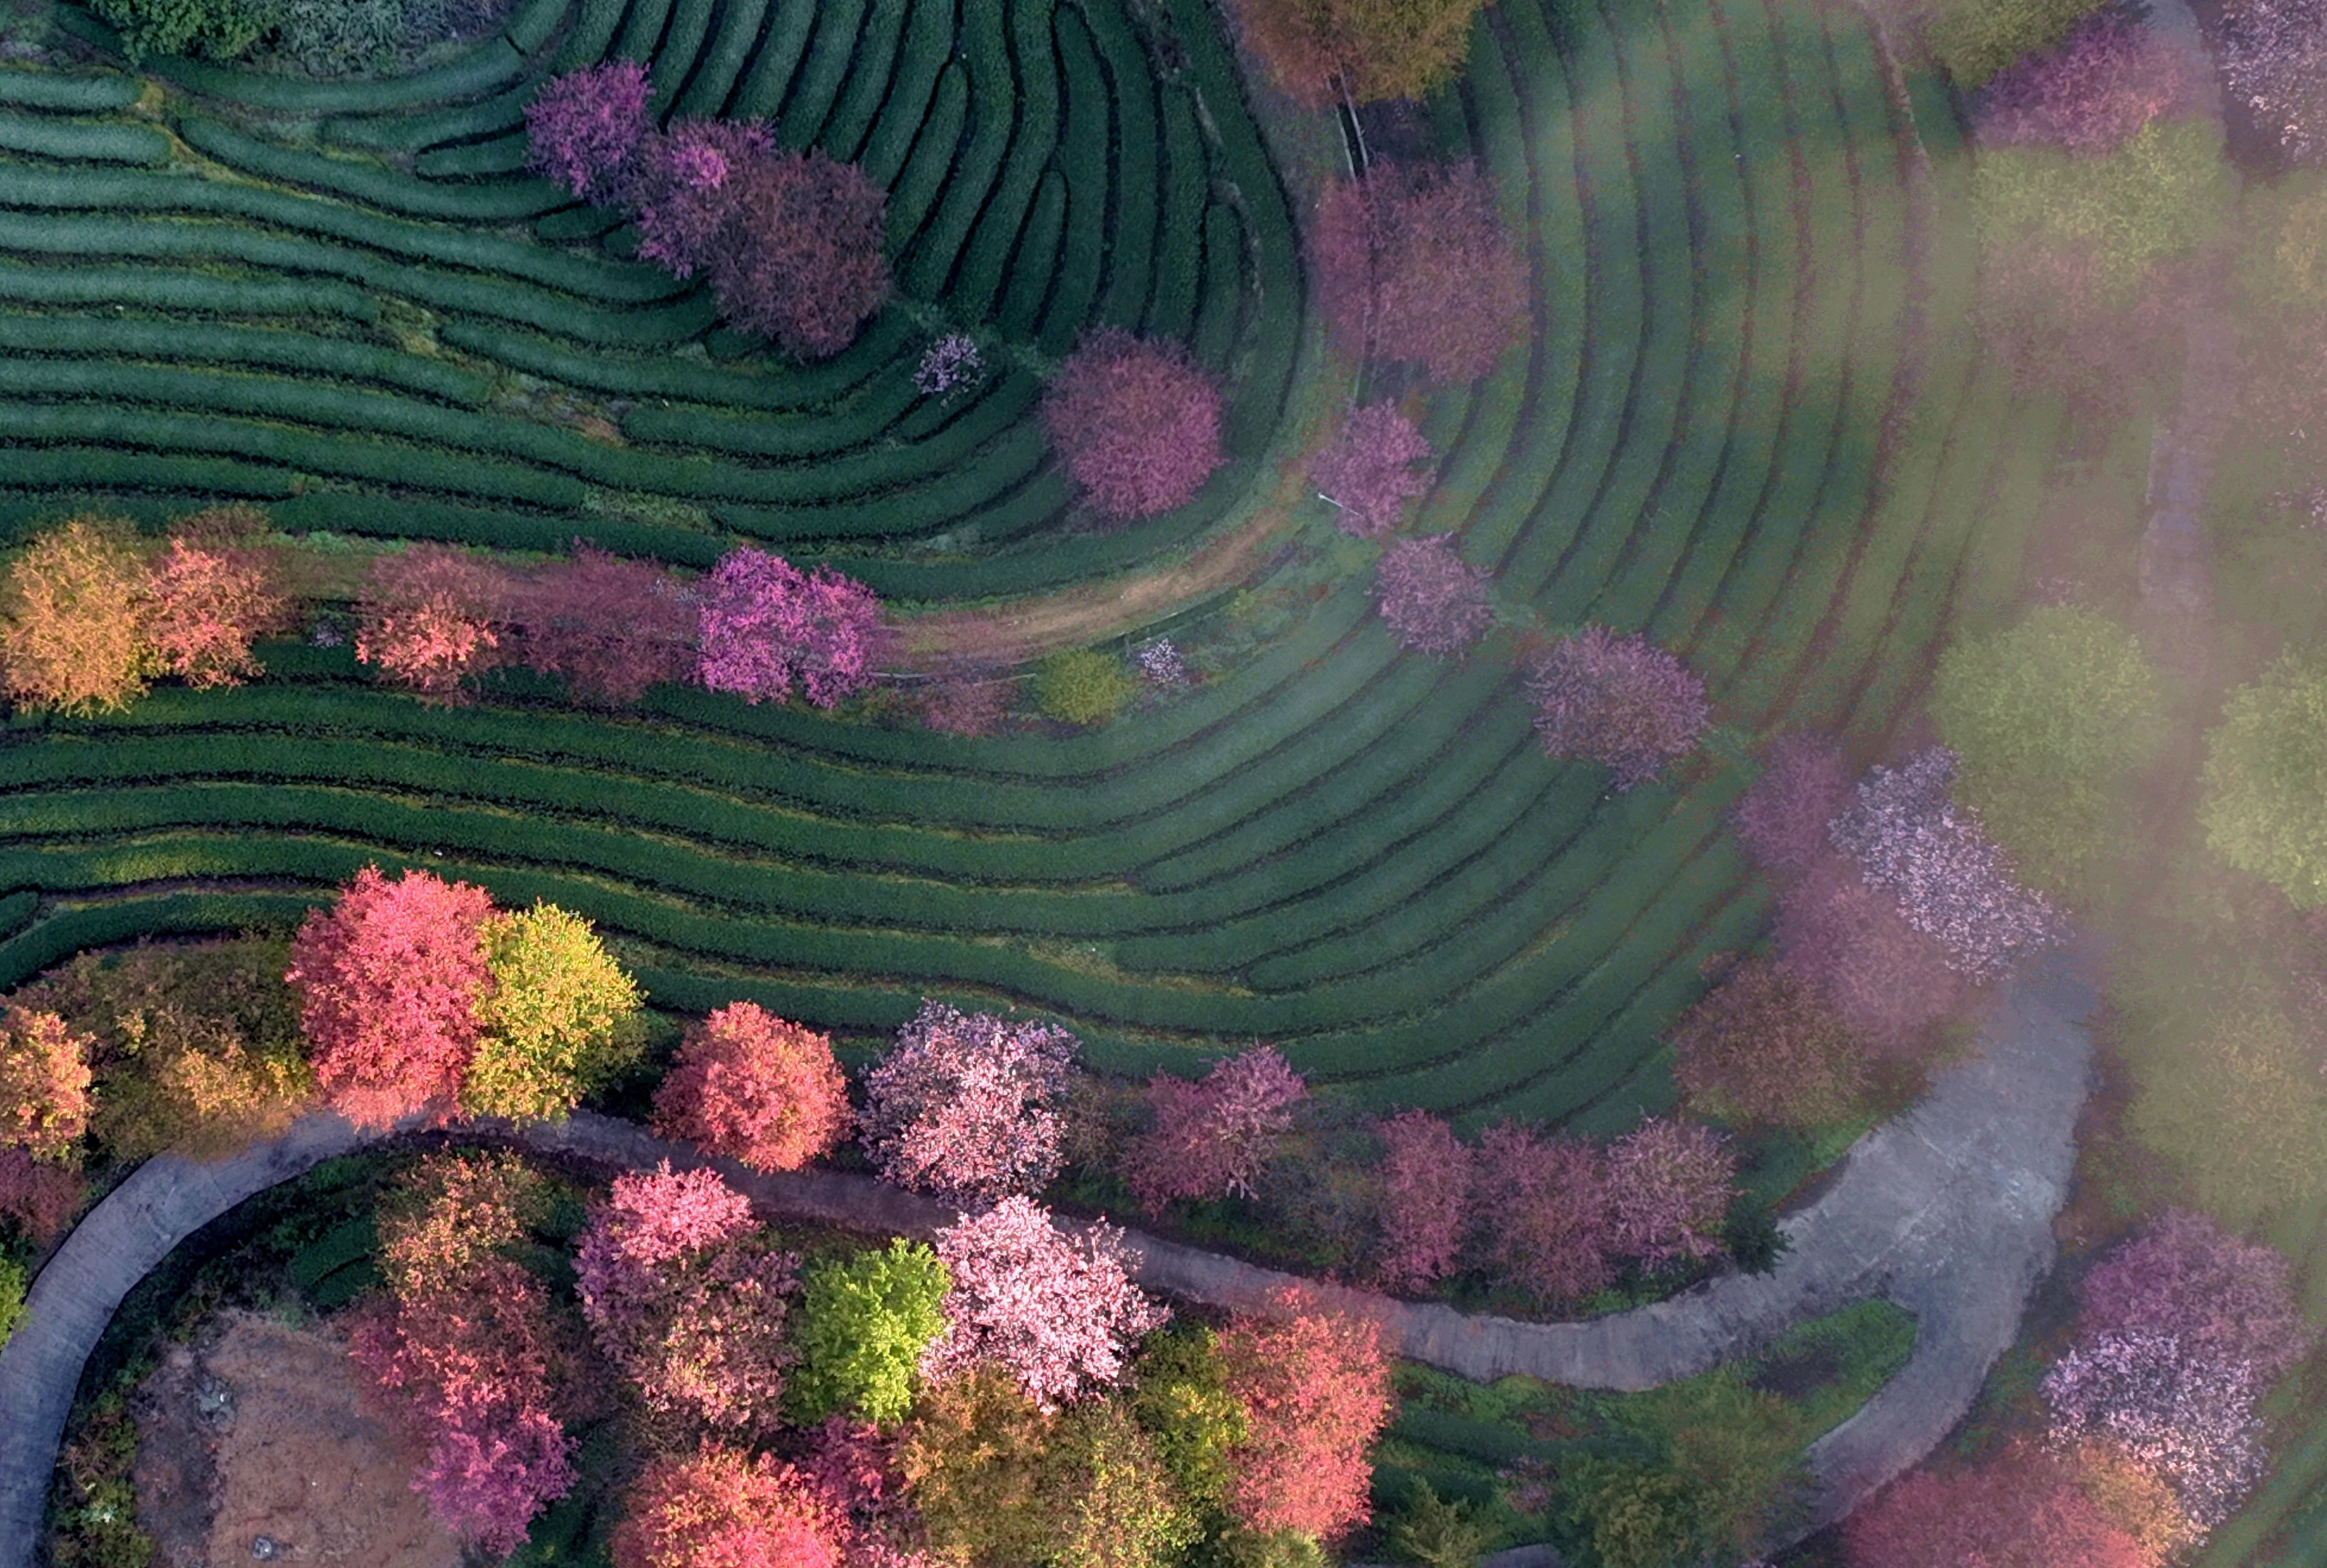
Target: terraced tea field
<point>349,303</point>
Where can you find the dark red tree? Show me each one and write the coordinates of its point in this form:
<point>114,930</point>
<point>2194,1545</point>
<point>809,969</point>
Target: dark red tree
<point>1782,818</point>
<point>1541,1214</point>
<point>1414,263</point>
<point>2088,93</point>
<point>1369,472</point>
<point>1212,1137</point>
<point>612,627</point>
<point>1427,1175</point>
<point>38,1197</point>
<point>1433,601</point>
<point>798,257</point>
<point>1889,981</point>
<point>388,980</point>
<point>677,189</point>
<point>1616,700</point>
<point>753,1086</point>
<point>2021,1509</point>
<point>1136,423</point>
<point>1766,1045</point>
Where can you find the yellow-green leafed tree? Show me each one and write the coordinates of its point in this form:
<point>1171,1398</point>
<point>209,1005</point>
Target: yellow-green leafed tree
<point>2240,1110</point>
<point>561,1017</point>
<point>1316,50</point>
<point>75,619</point>
<point>2264,808</point>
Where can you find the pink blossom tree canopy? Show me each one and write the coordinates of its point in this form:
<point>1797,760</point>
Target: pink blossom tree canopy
<point>1368,472</point>
<point>1135,422</point>
<point>2274,61</point>
<point>1315,1389</point>
<point>721,1508</point>
<point>1949,876</point>
<point>2188,1419</point>
<point>1782,818</point>
<point>612,627</point>
<point>2022,1509</point>
<point>583,128</point>
<point>754,1086</point>
<point>1432,600</point>
<point>1426,1176</point>
<point>1618,701</point>
<point>677,189</point>
<point>967,1106</point>
<point>431,615</point>
<point>2088,93</point>
<point>2218,1294</point>
<point>1889,981</point>
<point>1213,1136</point>
<point>1057,1311</point>
<point>1669,1183</point>
<point>389,981</point>
<point>766,626</point>
<point>1542,1212</point>
<point>1414,263</point>
<point>798,257</point>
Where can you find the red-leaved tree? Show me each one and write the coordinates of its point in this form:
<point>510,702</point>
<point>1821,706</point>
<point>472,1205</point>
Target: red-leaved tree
<point>388,980</point>
<point>1618,701</point>
<point>1213,1136</point>
<point>1889,982</point>
<point>2021,1509</point>
<point>44,1082</point>
<point>1431,599</point>
<point>686,1300</point>
<point>1414,263</point>
<point>430,615</point>
<point>1314,1384</point>
<point>753,1086</point>
<point>854,1466</point>
<point>213,593</point>
<point>967,1105</point>
<point>612,627</point>
<point>38,1197</point>
<point>719,1508</point>
<point>1427,1175</point>
<point>583,128</point>
<point>1369,472</point>
<point>1541,1216</point>
<point>1669,1183</point>
<point>1782,818</point>
<point>680,188</point>
<point>797,257</point>
<point>765,627</point>
<point>1766,1045</point>
<point>2088,93</point>
<point>1136,424</point>
<point>1057,1311</point>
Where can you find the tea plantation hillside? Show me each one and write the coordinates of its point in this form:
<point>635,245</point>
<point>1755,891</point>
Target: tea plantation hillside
<point>347,303</point>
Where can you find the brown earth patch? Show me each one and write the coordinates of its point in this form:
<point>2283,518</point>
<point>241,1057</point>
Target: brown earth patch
<point>254,1445</point>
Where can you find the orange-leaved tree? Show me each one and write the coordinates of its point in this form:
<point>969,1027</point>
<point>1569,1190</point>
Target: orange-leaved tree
<point>1317,50</point>
<point>1314,1384</point>
<point>75,619</point>
<point>45,1079</point>
<point>215,589</point>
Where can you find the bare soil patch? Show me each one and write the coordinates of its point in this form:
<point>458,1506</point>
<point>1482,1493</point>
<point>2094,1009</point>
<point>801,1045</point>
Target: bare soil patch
<point>255,1446</point>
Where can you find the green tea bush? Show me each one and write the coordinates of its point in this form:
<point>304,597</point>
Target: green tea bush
<point>219,29</point>
<point>2049,718</point>
<point>331,38</point>
<point>1082,686</point>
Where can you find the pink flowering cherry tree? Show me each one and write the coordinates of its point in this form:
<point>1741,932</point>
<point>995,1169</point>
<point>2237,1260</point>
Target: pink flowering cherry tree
<point>583,128</point>
<point>767,627</point>
<point>1889,982</point>
<point>1669,1183</point>
<point>1433,601</point>
<point>1212,1137</point>
<point>1782,818</point>
<point>967,1105</point>
<point>1618,701</point>
<point>1058,1311</point>
<point>2187,1419</point>
<point>2218,1294</point>
<point>677,189</point>
<point>1368,473</point>
<point>2089,93</point>
<point>1136,423</point>
<point>1426,1174</point>
<point>1543,1216</point>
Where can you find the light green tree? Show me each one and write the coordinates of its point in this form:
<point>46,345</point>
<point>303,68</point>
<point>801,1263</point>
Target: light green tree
<point>860,1328</point>
<point>2241,1110</point>
<point>2265,807</point>
<point>1082,686</point>
<point>561,1018</point>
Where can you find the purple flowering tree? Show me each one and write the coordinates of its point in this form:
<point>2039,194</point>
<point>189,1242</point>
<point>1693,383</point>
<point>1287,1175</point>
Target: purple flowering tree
<point>1888,981</point>
<point>967,1106</point>
<point>1135,420</point>
<point>948,365</point>
<point>767,626</point>
<point>1160,663</point>
<point>1369,472</point>
<point>1432,600</point>
<point>2089,93</point>
<point>1950,879</point>
<point>1616,700</point>
<point>677,187</point>
<point>2218,1294</point>
<point>583,128</point>
<point>1213,1136</point>
<point>1668,1185</point>
<point>1782,818</point>
<point>2188,1420</point>
<point>2274,61</point>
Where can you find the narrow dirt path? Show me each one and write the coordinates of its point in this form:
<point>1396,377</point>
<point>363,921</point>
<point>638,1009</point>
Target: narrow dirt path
<point>1946,1211</point>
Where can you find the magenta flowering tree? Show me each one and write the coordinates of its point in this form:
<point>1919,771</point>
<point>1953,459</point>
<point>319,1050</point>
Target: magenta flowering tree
<point>677,188</point>
<point>1425,1200</point>
<point>1213,1137</point>
<point>1135,422</point>
<point>1669,1183</point>
<point>1369,472</point>
<point>1950,879</point>
<point>967,1106</point>
<point>766,626</point>
<point>683,1301</point>
<point>2088,93</point>
<point>2218,1294</point>
<point>2188,1420</point>
<point>1782,818</point>
<point>1432,600</point>
<point>2274,61</point>
<point>583,128</point>
<point>1057,1311</point>
<point>1889,982</point>
<point>1618,701</point>
<point>1542,1215</point>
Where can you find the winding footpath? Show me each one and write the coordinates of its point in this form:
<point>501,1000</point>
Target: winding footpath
<point>1946,1211</point>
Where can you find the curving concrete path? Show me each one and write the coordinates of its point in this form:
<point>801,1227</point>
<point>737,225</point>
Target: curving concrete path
<point>1946,1211</point>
